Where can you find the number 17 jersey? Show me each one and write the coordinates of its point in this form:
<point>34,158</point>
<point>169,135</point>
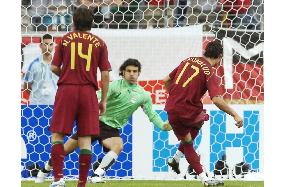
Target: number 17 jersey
<point>189,82</point>
<point>79,54</point>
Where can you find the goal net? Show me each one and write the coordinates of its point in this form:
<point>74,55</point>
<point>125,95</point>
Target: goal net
<point>160,34</point>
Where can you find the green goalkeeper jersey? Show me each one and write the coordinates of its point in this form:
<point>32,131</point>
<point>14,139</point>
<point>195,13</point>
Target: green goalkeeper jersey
<point>123,99</point>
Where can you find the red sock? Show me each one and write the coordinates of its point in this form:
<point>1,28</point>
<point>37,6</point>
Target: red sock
<point>181,148</point>
<point>57,158</point>
<point>84,166</point>
<point>192,158</point>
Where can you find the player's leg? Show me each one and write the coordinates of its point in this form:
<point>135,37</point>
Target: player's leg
<point>88,126</point>
<point>194,160</point>
<point>111,140</point>
<point>174,161</point>
<point>180,131</point>
<point>180,127</point>
<point>190,154</point>
<point>57,155</point>
<point>57,158</point>
<point>69,147</point>
<point>61,124</point>
<point>115,146</point>
<point>85,159</point>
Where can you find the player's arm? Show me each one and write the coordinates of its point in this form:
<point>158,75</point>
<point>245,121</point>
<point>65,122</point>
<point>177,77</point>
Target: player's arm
<point>105,86</point>
<point>56,70</point>
<point>154,116</point>
<point>57,60</point>
<point>222,105</point>
<point>110,91</point>
<point>28,78</point>
<point>104,67</point>
<point>215,95</point>
<point>168,79</point>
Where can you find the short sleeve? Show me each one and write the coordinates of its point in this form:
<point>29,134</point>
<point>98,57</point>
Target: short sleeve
<point>57,58</point>
<point>29,75</point>
<point>173,73</point>
<point>104,64</point>
<point>213,86</point>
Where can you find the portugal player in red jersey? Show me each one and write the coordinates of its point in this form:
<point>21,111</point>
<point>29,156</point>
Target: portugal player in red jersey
<point>76,60</point>
<point>186,85</point>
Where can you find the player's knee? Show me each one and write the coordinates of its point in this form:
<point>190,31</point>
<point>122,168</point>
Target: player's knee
<point>120,147</point>
<point>117,148</point>
<point>187,138</point>
<point>57,137</point>
<point>70,146</point>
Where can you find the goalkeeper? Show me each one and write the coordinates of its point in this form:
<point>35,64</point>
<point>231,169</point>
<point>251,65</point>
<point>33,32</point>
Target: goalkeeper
<point>124,97</point>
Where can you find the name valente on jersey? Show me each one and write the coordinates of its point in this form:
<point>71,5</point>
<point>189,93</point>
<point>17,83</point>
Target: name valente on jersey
<point>204,67</point>
<point>91,38</point>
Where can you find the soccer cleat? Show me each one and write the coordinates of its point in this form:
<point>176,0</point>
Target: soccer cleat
<point>174,165</point>
<point>60,183</point>
<point>40,178</point>
<point>96,179</point>
<point>213,182</point>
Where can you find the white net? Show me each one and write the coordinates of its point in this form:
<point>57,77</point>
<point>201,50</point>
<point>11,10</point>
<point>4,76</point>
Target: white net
<point>55,15</point>
<point>160,34</point>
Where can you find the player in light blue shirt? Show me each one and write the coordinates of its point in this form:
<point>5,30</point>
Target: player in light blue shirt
<point>39,79</point>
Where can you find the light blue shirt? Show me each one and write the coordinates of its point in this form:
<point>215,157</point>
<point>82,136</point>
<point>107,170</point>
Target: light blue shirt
<point>44,82</point>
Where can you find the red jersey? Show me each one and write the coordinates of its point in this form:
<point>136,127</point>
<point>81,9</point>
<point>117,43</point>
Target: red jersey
<point>189,82</point>
<point>80,54</point>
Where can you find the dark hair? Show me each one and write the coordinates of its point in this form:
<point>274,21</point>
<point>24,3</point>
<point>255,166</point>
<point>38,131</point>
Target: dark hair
<point>46,36</point>
<point>129,62</point>
<point>214,49</point>
<point>83,19</point>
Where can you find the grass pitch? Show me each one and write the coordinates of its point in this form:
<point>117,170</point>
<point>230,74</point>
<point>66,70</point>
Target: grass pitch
<point>149,183</point>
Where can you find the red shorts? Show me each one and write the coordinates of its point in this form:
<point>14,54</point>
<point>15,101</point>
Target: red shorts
<point>75,103</point>
<point>182,127</point>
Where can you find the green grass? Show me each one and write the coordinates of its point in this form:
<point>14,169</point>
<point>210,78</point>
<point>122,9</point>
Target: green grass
<point>147,183</point>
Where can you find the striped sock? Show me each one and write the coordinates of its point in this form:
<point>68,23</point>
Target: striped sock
<point>85,159</point>
<point>57,157</point>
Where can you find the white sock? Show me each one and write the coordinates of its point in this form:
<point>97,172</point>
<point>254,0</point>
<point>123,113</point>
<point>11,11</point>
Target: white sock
<point>178,155</point>
<point>100,172</point>
<point>47,167</point>
<point>107,161</point>
<point>202,176</point>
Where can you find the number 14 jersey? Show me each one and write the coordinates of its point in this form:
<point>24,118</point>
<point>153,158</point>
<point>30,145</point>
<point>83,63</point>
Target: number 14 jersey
<point>79,54</point>
<point>189,82</point>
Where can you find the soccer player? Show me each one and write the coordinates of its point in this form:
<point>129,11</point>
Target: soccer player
<point>39,81</point>
<point>75,62</point>
<point>186,85</point>
<point>124,97</point>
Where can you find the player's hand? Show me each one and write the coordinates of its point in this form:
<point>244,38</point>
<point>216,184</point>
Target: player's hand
<point>102,107</point>
<point>167,126</point>
<point>239,121</point>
